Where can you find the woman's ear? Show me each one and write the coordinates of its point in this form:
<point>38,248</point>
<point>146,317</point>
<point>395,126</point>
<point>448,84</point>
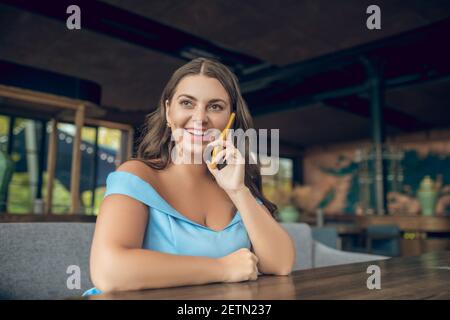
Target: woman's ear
<point>167,110</point>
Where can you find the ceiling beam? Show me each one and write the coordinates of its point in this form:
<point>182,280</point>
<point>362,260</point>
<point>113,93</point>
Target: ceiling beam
<point>426,42</point>
<point>139,30</point>
<point>260,107</point>
<point>391,117</point>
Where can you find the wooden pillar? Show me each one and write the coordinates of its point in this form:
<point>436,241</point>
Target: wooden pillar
<point>126,146</point>
<point>297,170</point>
<point>51,164</point>
<point>377,97</point>
<point>76,162</point>
<point>42,143</point>
<point>94,164</point>
<point>130,143</point>
<point>378,137</point>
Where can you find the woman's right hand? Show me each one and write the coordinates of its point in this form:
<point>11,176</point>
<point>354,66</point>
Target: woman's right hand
<point>240,265</point>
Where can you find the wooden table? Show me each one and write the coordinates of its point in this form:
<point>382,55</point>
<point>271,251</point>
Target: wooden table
<point>420,277</point>
<point>435,224</point>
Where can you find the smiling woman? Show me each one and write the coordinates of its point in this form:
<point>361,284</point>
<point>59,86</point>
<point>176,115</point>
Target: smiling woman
<point>200,95</point>
<point>165,223</point>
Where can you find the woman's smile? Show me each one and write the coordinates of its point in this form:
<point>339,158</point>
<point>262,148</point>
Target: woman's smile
<point>196,134</point>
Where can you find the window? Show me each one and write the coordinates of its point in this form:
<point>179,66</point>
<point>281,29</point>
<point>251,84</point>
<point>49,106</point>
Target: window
<point>278,188</point>
<point>97,168</point>
<point>97,161</point>
<point>4,129</point>
<point>6,162</point>
<point>27,147</point>
<point>101,151</point>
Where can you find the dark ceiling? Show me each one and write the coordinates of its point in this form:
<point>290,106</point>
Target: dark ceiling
<point>270,34</point>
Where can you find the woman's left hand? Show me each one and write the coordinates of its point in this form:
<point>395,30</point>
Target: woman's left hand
<point>231,177</point>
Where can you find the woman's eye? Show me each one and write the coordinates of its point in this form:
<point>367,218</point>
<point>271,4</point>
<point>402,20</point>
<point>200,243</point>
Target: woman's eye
<point>216,107</point>
<point>186,103</point>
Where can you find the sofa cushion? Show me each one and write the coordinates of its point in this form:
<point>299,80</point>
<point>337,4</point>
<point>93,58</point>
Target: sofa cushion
<point>35,258</point>
<point>301,234</point>
<point>325,256</point>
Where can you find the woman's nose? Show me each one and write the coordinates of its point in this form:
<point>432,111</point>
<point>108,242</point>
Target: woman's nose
<point>199,115</point>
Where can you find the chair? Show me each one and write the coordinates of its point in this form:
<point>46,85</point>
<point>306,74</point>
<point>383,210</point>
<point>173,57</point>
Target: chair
<point>384,239</point>
<point>326,235</point>
<point>313,254</point>
<point>35,257</point>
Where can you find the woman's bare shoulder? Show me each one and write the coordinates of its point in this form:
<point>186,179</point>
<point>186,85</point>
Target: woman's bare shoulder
<point>140,169</point>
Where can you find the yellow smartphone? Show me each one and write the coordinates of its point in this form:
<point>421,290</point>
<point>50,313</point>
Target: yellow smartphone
<point>223,136</point>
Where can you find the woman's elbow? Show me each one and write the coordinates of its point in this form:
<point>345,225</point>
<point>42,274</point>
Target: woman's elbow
<point>104,285</point>
<point>277,270</point>
<point>286,268</point>
<point>105,275</point>
<point>105,281</point>
<point>284,272</point>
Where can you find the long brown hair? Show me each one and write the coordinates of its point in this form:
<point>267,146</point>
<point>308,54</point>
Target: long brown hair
<point>155,144</point>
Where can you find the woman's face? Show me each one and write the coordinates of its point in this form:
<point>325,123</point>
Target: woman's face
<point>199,109</point>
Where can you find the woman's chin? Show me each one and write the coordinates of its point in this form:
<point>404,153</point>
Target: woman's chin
<point>195,150</point>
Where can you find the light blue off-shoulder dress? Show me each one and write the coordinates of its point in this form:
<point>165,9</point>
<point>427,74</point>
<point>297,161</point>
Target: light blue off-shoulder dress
<point>171,232</point>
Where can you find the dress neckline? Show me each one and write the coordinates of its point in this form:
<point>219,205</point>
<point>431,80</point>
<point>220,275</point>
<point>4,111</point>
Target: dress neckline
<point>175,211</point>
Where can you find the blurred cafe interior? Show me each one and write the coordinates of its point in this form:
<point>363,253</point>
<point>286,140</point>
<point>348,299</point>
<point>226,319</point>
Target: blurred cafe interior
<point>363,115</point>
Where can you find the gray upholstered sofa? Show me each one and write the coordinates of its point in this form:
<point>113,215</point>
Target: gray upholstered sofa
<point>35,257</point>
<point>313,254</point>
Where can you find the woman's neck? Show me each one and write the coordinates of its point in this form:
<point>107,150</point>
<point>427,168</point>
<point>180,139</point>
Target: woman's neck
<point>191,172</point>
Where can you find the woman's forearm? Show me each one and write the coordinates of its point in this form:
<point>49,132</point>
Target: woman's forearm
<point>271,243</point>
<point>135,269</point>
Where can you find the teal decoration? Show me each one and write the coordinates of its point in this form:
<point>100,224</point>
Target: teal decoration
<point>415,167</point>
<point>427,196</point>
<point>288,214</point>
<point>329,196</point>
